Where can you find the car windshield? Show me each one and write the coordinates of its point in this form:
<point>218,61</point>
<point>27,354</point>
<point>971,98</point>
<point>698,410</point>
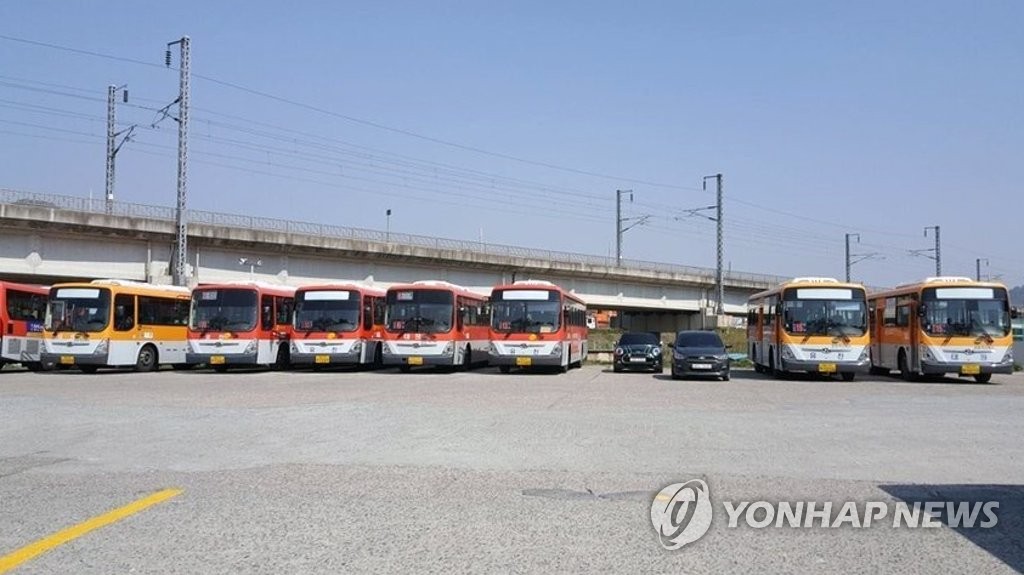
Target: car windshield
<point>327,310</point>
<point>639,339</point>
<point>699,339</point>
<point>217,309</point>
<point>78,309</point>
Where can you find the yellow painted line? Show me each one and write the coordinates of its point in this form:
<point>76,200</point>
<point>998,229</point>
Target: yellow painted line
<point>12,560</point>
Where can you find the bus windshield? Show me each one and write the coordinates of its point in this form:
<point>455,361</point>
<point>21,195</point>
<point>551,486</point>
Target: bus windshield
<point>327,310</point>
<point>78,309</point>
<point>525,311</point>
<point>220,309</point>
<point>816,312</point>
<point>419,311</point>
<point>967,317</point>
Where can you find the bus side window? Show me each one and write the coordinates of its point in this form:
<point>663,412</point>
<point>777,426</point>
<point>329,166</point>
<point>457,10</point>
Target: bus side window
<point>267,312</point>
<point>124,312</point>
<point>284,310</point>
<point>378,310</point>
<point>368,312</point>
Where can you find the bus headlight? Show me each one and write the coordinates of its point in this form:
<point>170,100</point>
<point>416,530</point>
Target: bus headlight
<point>556,350</point>
<point>102,348</point>
<point>251,348</point>
<point>357,347</point>
<point>1008,358</point>
<point>447,349</point>
<point>863,355</point>
<point>294,347</point>
<point>787,353</point>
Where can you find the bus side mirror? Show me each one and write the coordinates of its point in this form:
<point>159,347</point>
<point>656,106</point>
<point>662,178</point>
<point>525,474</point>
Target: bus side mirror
<point>922,310</point>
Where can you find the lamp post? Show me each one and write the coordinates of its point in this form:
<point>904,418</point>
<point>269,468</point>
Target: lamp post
<point>387,234</point>
<point>253,263</point>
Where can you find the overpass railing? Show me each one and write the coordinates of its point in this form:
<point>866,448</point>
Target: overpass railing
<point>126,209</point>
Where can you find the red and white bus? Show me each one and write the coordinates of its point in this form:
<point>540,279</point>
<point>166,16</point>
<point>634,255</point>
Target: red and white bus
<point>240,323</point>
<point>338,324</point>
<point>942,325</point>
<point>434,323</point>
<point>22,309</point>
<point>537,323</point>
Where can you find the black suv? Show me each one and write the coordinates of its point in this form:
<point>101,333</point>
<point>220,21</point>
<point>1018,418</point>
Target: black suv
<point>699,353</point>
<point>638,350</point>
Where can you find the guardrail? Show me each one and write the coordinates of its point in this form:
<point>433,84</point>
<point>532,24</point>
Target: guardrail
<point>125,209</point>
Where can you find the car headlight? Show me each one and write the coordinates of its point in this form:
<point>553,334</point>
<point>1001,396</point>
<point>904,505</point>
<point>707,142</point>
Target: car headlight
<point>656,351</point>
<point>619,351</point>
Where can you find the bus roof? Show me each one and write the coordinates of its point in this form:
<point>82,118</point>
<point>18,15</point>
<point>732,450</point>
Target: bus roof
<point>33,288</point>
<point>437,285</point>
<point>535,285</point>
<point>807,282</point>
<point>945,281</point>
<point>276,289</point>
<point>367,290</point>
<point>131,286</point>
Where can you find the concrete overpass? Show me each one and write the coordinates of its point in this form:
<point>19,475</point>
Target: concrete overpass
<point>47,238</point>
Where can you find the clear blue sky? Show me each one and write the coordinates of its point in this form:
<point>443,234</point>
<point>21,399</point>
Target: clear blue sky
<point>826,118</point>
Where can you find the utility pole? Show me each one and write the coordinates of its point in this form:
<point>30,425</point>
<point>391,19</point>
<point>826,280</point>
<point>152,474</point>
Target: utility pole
<point>719,285</point>
<point>977,265</point>
<point>937,249</point>
<point>112,146</point>
<point>619,230</point>
<point>181,217</point>
<point>854,258</point>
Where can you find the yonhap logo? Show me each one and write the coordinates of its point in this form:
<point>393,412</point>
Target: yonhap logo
<point>681,513</point>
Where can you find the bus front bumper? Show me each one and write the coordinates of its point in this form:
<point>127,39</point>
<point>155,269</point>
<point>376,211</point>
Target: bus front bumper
<point>524,360</point>
<point>418,360</point>
<point>325,358</point>
<point>65,359</point>
<point>863,366</point>
<point>214,360</point>
<point>944,368</point>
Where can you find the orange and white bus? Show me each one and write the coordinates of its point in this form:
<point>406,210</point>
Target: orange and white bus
<point>434,323</point>
<point>537,323</point>
<point>942,325</point>
<point>338,324</point>
<point>809,324</point>
<point>115,323</point>
<point>240,323</point>
<point>22,308</point>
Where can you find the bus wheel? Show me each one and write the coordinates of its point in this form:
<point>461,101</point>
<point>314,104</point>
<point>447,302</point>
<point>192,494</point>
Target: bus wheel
<point>983,377</point>
<point>89,368</point>
<point>378,357</point>
<point>504,368</point>
<point>467,359</point>
<point>771,365</point>
<point>904,365</point>
<point>283,360</point>
<point>147,360</point>
<point>848,375</point>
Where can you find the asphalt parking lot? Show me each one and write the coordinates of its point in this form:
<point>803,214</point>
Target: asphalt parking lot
<point>337,472</point>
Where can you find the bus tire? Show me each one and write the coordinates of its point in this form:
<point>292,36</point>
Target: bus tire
<point>89,368</point>
<point>147,359</point>
<point>504,368</point>
<point>283,359</point>
<point>904,366</point>
<point>983,377</point>
<point>771,365</point>
<point>378,357</point>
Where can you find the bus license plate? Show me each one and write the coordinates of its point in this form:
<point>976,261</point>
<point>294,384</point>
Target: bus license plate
<point>521,361</point>
<point>415,360</point>
<point>827,368</point>
<point>322,359</point>
<point>67,359</point>
<point>216,360</point>
<point>970,369</point>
